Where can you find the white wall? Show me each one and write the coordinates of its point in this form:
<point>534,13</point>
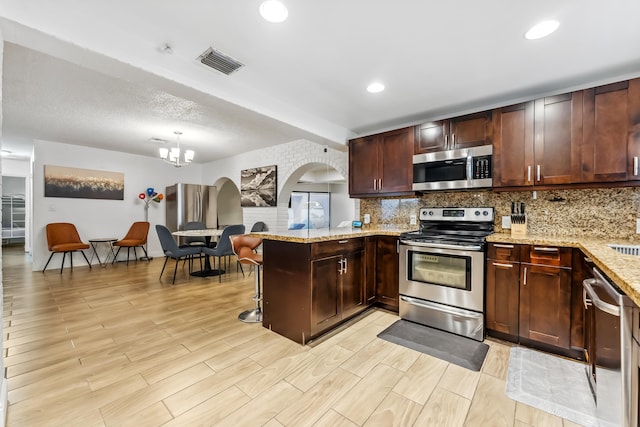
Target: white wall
<point>289,158</point>
<point>100,218</point>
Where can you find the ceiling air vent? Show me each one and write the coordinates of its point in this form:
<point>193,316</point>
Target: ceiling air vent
<point>219,61</point>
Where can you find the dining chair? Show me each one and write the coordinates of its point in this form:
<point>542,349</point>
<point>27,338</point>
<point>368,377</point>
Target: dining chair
<point>63,237</point>
<point>223,248</point>
<point>259,226</point>
<point>172,250</point>
<point>136,237</point>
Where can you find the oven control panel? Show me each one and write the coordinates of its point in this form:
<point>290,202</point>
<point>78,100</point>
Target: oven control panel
<point>457,214</point>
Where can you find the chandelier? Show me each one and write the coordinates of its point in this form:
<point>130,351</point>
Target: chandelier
<point>172,156</point>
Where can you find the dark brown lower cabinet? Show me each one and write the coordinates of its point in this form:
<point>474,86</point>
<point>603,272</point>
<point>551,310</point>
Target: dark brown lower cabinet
<point>310,288</point>
<point>387,272</point>
<point>531,297</point>
<point>503,296</point>
<point>545,304</point>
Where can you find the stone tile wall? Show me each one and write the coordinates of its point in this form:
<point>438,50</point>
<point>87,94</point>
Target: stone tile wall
<point>608,213</point>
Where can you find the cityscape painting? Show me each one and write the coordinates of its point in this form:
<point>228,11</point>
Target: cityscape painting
<point>61,181</point>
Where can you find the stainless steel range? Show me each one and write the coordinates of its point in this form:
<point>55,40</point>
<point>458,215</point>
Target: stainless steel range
<point>442,270</point>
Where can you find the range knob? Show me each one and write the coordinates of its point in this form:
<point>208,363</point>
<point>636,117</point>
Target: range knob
<point>485,213</point>
<point>477,213</point>
<point>430,213</point>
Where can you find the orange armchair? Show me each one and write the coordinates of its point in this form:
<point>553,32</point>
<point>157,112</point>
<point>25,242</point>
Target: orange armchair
<point>136,237</point>
<point>63,237</point>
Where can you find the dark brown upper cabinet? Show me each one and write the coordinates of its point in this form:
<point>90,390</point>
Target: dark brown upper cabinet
<point>466,131</point>
<point>382,164</point>
<point>538,142</point>
<point>611,123</point>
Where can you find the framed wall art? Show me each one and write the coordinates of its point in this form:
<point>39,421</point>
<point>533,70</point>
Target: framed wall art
<point>258,186</point>
<point>62,181</point>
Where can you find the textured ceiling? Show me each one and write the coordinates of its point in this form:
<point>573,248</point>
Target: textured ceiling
<point>108,83</point>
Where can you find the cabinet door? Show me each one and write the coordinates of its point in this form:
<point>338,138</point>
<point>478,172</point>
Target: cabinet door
<point>431,137</point>
<point>610,112</point>
<point>396,159</point>
<point>503,294</point>
<point>370,270</point>
<point>325,293</point>
<point>387,272</point>
<point>545,301</point>
<point>471,130</point>
<point>353,281</point>
<point>513,146</point>
<point>558,136</point>
<point>363,166</point>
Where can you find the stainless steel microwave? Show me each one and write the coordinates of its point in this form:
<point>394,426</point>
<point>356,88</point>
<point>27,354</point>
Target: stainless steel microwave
<point>454,169</point>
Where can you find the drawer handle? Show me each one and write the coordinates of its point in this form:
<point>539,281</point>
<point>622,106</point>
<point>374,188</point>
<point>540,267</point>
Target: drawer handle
<point>537,249</point>
<point>498,264</point>
<point>497,245</point>
<point>588,260</point>
<point>343,241</point>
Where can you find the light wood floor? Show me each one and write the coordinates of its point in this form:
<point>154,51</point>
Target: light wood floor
<point>116,346</point>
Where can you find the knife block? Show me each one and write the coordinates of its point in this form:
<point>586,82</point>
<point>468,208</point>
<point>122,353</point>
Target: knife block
<point>519,230</point>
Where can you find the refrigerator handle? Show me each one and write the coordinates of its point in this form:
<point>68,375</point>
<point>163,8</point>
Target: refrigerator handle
<point>198,206</point>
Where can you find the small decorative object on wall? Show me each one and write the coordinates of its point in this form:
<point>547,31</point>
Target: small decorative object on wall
<point>61,181</point>
<point>258,186</point>
<point>149,196</point>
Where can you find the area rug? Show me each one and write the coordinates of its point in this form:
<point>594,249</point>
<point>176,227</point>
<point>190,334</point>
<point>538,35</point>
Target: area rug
<point>552,384</point>
<point>452,348</point>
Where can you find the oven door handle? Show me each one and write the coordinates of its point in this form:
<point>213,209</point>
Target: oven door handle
<point>611,309</point>
<point>442,246</point>
<point>439,307</point>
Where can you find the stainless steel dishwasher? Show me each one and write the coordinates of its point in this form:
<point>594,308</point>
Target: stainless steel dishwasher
<point>608,323</point>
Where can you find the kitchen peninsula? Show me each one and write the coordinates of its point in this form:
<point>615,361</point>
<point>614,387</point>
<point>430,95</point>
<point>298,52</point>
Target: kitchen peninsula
<point>314,280</point>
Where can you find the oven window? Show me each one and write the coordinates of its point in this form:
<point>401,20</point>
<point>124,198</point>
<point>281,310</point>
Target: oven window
<point>452,271</point>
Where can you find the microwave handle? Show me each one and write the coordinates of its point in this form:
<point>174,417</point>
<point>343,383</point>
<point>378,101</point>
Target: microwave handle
<point>469,166</point>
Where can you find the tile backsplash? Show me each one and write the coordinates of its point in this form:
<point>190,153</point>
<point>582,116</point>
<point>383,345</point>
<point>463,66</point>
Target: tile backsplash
<point>606,212</point>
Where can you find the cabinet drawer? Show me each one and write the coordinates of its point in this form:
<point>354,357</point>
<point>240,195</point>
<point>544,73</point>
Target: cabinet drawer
<point>335,247</point>
<point>546,255</point>
<point>504,252</point>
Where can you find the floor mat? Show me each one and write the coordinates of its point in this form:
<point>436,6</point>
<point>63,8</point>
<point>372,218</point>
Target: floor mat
<point>453,348</point>
<point>552,384</point>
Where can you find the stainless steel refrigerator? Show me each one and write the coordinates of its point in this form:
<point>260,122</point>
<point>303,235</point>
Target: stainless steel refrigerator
<point>191,202</point>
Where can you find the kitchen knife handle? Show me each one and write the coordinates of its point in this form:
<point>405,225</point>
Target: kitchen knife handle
<point>538,172</point>
<point>635,166</point>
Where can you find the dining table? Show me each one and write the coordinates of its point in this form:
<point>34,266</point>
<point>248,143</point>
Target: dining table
<point>209,234</point>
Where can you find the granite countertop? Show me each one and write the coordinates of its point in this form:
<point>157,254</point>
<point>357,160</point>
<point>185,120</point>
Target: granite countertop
<point>324,235</point>
<point>624,270</point>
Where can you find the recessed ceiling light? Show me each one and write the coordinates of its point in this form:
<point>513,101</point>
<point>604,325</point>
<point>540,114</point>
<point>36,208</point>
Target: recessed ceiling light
<point>273,11</point>
<point>375,87</point>
<point>542,29</point>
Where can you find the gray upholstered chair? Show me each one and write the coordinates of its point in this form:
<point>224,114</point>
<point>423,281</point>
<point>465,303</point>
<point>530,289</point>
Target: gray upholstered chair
<point>223,248</point>
<point>259,226</point>
<point>172,250</point>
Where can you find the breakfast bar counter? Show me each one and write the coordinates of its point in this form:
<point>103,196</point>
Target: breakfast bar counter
<point>315,280</point>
